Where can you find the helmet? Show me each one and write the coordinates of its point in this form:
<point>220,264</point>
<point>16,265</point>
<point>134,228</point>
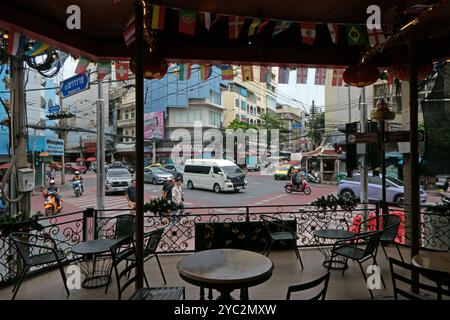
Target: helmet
<point>77,173</point>
<point>52,181</point>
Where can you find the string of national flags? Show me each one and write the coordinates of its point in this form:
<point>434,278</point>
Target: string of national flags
<point>356,34</point>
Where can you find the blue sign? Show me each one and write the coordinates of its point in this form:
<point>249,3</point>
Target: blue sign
<point>296,126</point>
<point>53,109</point>
<point>74,85</point>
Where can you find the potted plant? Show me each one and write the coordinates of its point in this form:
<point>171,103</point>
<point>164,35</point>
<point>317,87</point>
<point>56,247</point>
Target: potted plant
<point>160,206</point>
<point>19,223</point>
<point>332,202</point>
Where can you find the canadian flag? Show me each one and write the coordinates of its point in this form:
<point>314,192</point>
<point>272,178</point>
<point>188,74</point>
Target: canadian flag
<point>338,78</point>
<point>122,70</point>
<point>308,32</point>
<point>376,36</point>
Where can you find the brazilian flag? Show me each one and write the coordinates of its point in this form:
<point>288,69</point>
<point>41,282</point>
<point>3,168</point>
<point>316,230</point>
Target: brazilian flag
<point>356,35</point>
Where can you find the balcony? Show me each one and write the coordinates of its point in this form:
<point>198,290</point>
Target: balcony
<point>126,122</point>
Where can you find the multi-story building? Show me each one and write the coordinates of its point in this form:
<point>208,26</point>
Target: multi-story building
<point>248,100</point>
<point>294,140</point>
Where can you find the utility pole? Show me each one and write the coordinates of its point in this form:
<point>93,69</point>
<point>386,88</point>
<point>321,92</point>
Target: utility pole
<point>363,153</point>
<point>313,126</point>
<point>64,137</point>
<point>100,149</point>
<point>81,147</point>
<point>19,136</point>
<point>349,105</point>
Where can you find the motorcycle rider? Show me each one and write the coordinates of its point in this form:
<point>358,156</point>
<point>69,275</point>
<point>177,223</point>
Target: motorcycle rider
<point>52,188</point>
<point>296,179</point>
<point>78,177</point>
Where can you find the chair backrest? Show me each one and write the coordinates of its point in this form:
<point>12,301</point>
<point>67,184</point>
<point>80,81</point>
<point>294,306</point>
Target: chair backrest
<point>432,282</point>
<point>323,280</point>
<point>124,226</point>
<point>274,224</point>
<point>391,224</point>
<point>372,240</point>
<point>23,245</point>
<point>129,268</point>
<point>151,240</point>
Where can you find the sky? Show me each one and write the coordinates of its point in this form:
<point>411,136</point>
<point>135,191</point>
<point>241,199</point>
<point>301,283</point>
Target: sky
<point>305,93</point>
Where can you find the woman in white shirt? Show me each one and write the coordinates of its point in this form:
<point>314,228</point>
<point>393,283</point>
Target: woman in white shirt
<point>177,196</point>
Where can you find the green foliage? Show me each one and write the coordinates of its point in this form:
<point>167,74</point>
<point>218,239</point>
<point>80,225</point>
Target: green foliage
<point>236,124</point>
<point>160,206</point>
<point>332,202</point>
<point>267,122</point>
<point>19,223</point>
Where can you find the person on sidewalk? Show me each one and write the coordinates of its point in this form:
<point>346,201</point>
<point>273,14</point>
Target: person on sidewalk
<point>178,198</point>
<point>167,189</point>
<point>131,196</point>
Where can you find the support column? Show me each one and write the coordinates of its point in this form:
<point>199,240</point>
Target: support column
<point>321,169</point>
<point>100,149</point>
<point>363,168</point>
<point>406,155</point>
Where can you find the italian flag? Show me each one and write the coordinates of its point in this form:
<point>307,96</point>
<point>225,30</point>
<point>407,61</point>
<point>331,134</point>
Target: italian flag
<point>185,71</point>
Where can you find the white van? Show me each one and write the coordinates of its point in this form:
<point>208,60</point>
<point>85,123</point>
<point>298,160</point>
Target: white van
<point>214,174</point>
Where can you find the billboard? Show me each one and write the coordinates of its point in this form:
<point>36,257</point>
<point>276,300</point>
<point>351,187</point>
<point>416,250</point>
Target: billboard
<point>154,125</point>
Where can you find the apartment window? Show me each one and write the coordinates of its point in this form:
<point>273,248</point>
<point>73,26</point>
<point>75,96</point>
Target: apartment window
<point>187,117</point>
<point>215,97</point>
<point>214,118</point>
<point>236,103</point>
<point>237,117</point>
<point>132,115</point>
<point>126,115</point>
<point>243,105</point>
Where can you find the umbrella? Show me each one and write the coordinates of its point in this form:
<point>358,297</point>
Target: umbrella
<point>91,159</point>
<point>79,159</point>
<point>5,165</point>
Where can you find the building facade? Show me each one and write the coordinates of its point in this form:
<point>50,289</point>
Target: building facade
<point>294,140</point>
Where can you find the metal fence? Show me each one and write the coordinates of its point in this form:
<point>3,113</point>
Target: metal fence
<point>180,231</point>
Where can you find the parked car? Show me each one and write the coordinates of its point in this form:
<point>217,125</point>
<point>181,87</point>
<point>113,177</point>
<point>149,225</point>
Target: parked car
<point>156,175</point>
<point>154,165</point>
<point>71,167</point>
<point>395,191</point>
<point>128,166</point>
<point>117,180</point>
<point>176,171</point>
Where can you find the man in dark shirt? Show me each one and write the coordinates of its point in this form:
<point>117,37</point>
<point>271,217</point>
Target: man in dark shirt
<point>167,189</point>
<point>446,184</point>
<point>131,194</point>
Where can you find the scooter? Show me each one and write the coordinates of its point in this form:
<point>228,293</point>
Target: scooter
<point>77,188</point>
<point>290,187</point>
<point>50,203</point>
<point>312,178</point>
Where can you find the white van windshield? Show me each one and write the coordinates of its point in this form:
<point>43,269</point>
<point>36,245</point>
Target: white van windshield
<point>232,170</point>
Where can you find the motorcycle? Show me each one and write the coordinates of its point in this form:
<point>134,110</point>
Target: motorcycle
<point>312,178</point>
<point>445,198</point>
<point>50,203</point>
<point>290,187</point>
<point>77,188</point>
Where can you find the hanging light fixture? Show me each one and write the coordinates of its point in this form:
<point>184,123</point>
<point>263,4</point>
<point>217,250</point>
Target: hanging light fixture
<point>382,112</point>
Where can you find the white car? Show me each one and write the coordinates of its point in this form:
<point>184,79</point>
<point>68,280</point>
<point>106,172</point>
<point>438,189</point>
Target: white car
<point>117,180</point>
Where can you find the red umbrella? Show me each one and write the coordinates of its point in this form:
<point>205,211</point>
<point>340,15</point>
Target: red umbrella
<point>5,165</point>
<point>91,159</point>
<point>79,160</point>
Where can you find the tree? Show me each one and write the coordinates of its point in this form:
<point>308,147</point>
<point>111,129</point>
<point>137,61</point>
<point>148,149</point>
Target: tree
<point>269,121</point>
<point>316,127</point>
<point>237,124</point>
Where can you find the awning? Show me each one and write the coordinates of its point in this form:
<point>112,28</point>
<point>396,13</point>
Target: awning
<point>5,165</point>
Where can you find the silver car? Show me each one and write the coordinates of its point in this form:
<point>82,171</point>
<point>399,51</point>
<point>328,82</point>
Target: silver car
<point>117,180</point>
<point>351,187</point>
<point>156,175</point>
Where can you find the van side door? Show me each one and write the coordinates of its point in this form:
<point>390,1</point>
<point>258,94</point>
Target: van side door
<point>218,177</point>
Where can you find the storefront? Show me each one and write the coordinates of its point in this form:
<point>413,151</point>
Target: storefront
<point>46,150</point>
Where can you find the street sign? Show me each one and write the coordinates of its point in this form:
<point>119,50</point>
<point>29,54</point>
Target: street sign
<point>359,137</point>
<point>402,136</point>
<point>74,85</point>
<point>53,109</point>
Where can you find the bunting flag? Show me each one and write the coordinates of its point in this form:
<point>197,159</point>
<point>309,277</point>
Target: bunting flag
<point>205,17</point>
<point>283,75</point>
<point>129,32</point>
<point>38,48</point>
<point>308,32</point>
<point>205,72</point>
<point>282,25</point>
<point>262,25</point>
<point>16,44</point>
<point>247,73</point>
<point>61,59</point>
<point>253,27</point>
<point>188,20</point>
<point>227,72</point>
<point>235,25</point>
<point>264,74</point>
<point>321,75</point>
<point>122,70</point>
<point>184,72</point>
<point>376,36</point>
<point>302,75</point>
<point>338,78</point>
<point>82,65</point>
<point>333,28</point>
<point>158,15</point>
<point>103,69</point>
<point>355,35</point>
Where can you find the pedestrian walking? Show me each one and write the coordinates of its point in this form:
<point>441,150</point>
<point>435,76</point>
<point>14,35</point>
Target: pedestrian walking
<point>178,198</point>
<point>131,196</point>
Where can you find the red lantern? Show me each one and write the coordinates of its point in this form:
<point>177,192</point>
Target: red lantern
<point>361,75</point>
<point>424,69</point>
<point>155,67</point>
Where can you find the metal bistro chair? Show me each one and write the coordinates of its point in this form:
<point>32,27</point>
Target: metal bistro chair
<point>360,249</point>
<point>124,226</point>
<point>323,280</point>
<point>390,226</point>
<point>279,231</point>
<point>34,254</point>
<point>436,283</point>
<point>159,293</point>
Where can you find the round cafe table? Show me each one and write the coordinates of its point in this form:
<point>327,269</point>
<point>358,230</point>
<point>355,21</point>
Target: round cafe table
<point>432,260</point>
<point>326,238</point>
<point>225,270</point>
